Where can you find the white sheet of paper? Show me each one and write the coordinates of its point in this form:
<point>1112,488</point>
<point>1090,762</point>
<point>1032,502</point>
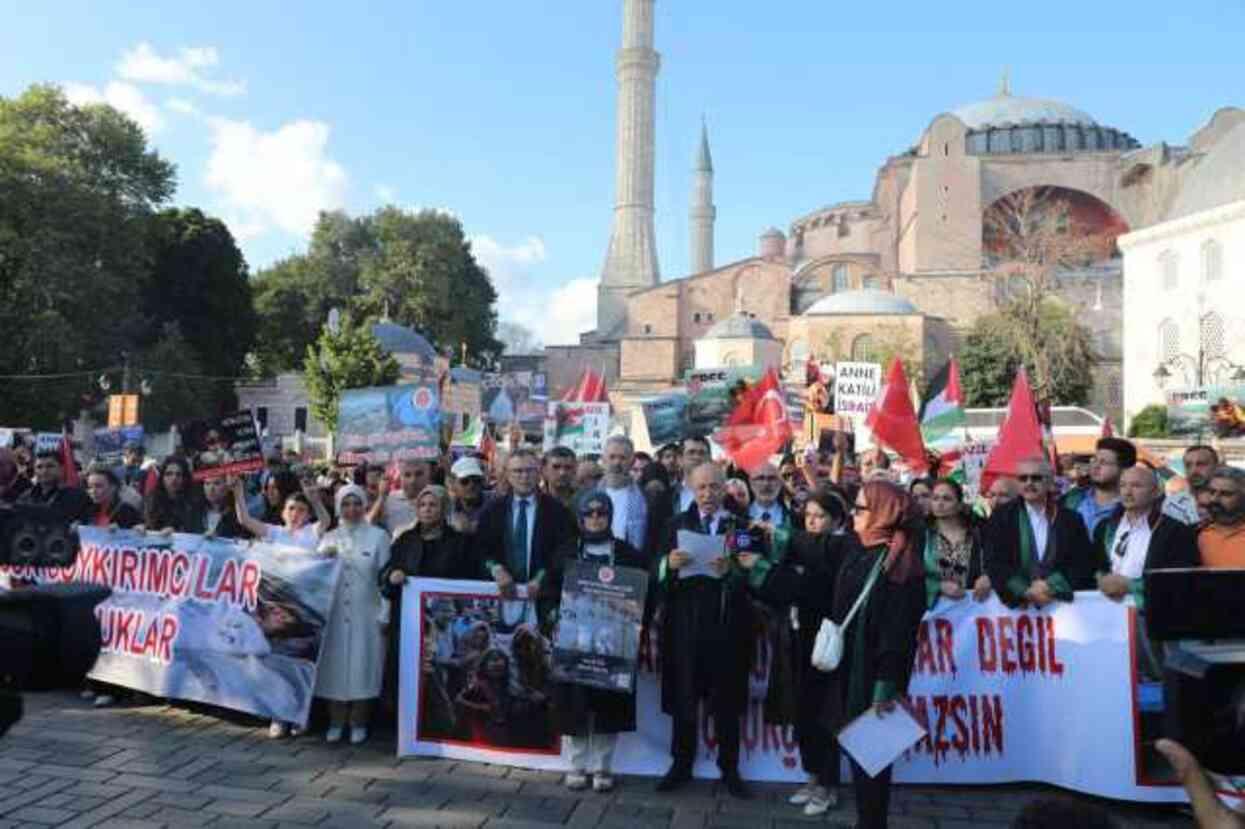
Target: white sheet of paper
<point>703,549</point>
<point>875,742</point>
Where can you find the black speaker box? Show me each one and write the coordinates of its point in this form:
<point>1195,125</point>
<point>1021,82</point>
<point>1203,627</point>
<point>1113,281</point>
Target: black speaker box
<point>49,636</point>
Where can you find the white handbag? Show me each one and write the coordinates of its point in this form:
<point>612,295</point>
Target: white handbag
<point>828,646</point>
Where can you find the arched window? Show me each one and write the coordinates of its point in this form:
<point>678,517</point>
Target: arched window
<point>1212,335</point>
<point>1212,260</point>
<point>1169,339</point>
<point>838,277</point>
<point>862,349</point>
<point>1169,267</point>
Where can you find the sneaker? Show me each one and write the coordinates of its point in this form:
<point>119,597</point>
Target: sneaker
<point>277,730</point>
<point>358,734</point>
<point>104,700</point>
<point>602,782</point>
<point>821,802</point>
<point>576,781</point>
<point>334,734</point>
<point>803,794</point>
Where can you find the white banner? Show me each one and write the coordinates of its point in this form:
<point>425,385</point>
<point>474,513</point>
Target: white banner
<point>581,427</point>
<point>1007,696</point>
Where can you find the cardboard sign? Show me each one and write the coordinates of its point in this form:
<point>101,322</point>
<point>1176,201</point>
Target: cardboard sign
<point>856,388</point>
<point>221,446</point>
<point>598,633</point>
<point>580,427</point>
<point>382,424</point>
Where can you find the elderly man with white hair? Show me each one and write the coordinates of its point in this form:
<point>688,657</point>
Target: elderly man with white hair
<point>1138,537</point>
<point>630,521</point>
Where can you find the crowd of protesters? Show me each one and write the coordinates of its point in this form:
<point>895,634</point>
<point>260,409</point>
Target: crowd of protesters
<point>829,527</point>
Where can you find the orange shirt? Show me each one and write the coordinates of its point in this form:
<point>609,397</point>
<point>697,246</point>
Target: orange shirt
<point>1222,547</point>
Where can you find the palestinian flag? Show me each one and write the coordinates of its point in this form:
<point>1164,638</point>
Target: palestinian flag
<point>570,420</point>
<point>943,409</point>
<point>472,437</point>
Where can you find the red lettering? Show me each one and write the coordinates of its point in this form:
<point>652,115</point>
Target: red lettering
<point>958,708</point>
<point>924,651</point>
<point>1041,644</point>
<point>202,563</point>
<point>100,568</point>
<point>941,745</point>
<point>169,627</point>
<point>920,711</point>
<point>125,629</point>
<point>946,646</point>
<point>987,650</point>
<point>976,729</point>
<point>1024,643</point>
<point>1056,667</point>
<point>126,578</point>
<point>180,582</point>
<point>1007,644</point>
<point>151,641</point>
<point>249,589</point>
<point>228,584</point>
<point>992,723</point>
<point>157,572</point>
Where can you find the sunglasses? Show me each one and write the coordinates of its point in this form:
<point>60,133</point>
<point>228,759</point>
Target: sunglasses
<point>1031,479</point>
<point>596,513</point>
<point>953,566</point>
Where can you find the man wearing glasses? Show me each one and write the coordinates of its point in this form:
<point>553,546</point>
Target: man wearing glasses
<point>1036,550</point>
<point>1139,537</point>
<point>768,505</point>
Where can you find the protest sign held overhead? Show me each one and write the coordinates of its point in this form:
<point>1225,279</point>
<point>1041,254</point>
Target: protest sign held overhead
<point>515,397</point>
<point>1210,410</point>
<point>580,427</point>
<point>665,418</point>
<point>598,630</point>
<point>110,443</point>
<point>228,445</point>
<point>388,423</point>
<point>856,388</point>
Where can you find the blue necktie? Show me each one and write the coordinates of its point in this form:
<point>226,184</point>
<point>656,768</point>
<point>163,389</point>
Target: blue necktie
<point>518,544</point>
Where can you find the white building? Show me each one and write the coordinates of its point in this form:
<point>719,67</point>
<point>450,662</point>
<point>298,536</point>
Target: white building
<point>1184,278</point>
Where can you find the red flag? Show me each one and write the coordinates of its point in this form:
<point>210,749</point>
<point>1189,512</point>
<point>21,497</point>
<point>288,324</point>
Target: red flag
<point>69,469</point>
<point>893,420</point>
<point>759,425</point>
<point>1108,428</point>
<point>589,389</point>
<point>1020,434</point>
<point>152,480</point>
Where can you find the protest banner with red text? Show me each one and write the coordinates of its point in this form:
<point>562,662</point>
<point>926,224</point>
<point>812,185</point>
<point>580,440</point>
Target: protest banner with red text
<point>230,623</point>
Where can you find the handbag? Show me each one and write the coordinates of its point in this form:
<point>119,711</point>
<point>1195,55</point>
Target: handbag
<point>828,646</point>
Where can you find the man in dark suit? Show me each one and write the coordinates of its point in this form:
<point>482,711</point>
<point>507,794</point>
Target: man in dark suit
<point>519,533</point>
<point>706,638</point>
<point>1138,537</point>
<point>1036,550</point>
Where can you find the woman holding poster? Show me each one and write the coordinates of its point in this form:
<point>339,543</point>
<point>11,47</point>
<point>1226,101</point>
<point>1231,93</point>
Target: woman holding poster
<point>592,718</point>
<point>353,660</point>
<point>880,643</point>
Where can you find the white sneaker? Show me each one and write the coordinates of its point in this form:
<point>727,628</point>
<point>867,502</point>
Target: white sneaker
<point>803,794</point>
<point>334,734</point>
<point>602,782</point>
<point>576,781</point>
<point>277,729</point>
<point>104,700</point>
<point>821,802</point>
<point>358,734</point>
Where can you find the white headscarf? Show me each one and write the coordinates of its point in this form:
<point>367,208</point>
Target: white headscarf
<point>347,491</point>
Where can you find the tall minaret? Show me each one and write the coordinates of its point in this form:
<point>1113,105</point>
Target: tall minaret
<point>702,212</point>
<point>631,262</point>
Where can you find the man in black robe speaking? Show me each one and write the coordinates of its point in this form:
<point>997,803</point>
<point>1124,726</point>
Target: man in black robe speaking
<point>706,638</point>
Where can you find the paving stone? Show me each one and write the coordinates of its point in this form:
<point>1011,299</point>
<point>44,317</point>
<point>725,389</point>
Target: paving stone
<point>236,808</point>
<point>42,814</point>
<point>237,793</point>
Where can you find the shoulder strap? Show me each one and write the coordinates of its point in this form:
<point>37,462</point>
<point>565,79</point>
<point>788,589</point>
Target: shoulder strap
<point>864,593</point>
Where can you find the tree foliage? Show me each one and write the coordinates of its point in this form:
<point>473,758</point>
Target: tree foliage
<point>416,269</point>
<point>1000,343</point>
<point>349,358</point>
<point>1150,422</point>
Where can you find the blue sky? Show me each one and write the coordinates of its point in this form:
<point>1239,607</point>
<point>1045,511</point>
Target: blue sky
<point>503,112</point>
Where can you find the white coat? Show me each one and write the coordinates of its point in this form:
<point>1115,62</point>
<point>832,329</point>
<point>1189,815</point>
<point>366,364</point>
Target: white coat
<point>352,663</point>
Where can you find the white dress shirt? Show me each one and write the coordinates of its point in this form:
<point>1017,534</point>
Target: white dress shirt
<point>686,497</point>
<point>776,513</point>
<point>1128,550</point>
<point>531,520</point>
<point>1041,530</point>
<point>619,498</point>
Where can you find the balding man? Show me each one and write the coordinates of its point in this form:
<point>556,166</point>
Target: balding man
<point>1003,490</point>
<point>768,505</point>
<point>706,638</point>
<point>1138,537</point>
<point>1037,551</point>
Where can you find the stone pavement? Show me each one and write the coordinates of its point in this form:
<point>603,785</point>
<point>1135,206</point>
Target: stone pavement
<point>71,766</point>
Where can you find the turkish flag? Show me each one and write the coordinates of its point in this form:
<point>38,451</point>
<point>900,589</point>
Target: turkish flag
<point>589,389</point>
<point>893,420</point>
<point>1020,434</point>
<point>758,427</point>
<point>69,469</point>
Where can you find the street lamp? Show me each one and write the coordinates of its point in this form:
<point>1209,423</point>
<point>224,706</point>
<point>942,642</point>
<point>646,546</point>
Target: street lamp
<point>1201,365</point>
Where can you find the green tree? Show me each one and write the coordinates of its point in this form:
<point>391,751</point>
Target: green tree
<point>1150,422</point>
<point>199,282</point>
<point>348,358</point>
<point>78,186</point>
<point>1000,343</point>
<point>178,391</point>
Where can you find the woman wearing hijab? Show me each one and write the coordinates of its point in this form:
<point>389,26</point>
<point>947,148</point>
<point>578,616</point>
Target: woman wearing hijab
<point>592,719</point>
<point>880,643</point>
<point>429,548</point>
<point>352,663</point>
<point>798,580</point>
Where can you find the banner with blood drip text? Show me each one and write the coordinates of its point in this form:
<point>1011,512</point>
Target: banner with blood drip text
<point>1064,696</point>
<point>236,624</point>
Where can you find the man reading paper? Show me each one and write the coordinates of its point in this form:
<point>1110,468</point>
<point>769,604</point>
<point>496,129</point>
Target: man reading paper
<point>706,638</point>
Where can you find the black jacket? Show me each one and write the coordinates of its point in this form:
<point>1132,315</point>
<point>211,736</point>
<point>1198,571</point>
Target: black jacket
<point>72,503</point>
<point>1068,567</point>
<point>452,556</point>
<point>1173,543</point>
<point>554,527</point>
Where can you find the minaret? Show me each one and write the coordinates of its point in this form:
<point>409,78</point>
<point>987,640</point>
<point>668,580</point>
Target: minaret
<point>631,261</point>
<point>702,212</point>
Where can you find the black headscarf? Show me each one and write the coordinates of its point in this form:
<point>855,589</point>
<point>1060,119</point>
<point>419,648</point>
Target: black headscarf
<point>594,499</point>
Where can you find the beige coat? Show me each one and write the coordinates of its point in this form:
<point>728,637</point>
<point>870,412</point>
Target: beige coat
<point>352,662</point>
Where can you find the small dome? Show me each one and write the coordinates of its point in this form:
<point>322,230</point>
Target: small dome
<point>1012,109</point>
<point>772,233</point>
<point>1218,178</point>
<point>877,303</point>
<point>739,327</point>
<point>398,339</point>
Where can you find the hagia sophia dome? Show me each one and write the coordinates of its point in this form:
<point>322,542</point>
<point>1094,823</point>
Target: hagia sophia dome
<point>1014,109</point>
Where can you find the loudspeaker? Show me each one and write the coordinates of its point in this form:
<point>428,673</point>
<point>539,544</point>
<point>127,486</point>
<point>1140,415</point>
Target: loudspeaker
<point>49,636</point>
<point>36,535</point>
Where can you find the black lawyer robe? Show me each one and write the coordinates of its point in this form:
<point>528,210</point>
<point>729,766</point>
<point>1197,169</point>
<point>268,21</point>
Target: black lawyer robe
<point>1068,567</point>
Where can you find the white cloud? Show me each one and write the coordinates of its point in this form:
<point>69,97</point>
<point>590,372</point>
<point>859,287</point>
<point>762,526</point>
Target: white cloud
<point>556,316</point>
<point>124,97</point>
<point>385,194</point>
<point>282,178</point>
<point>144,64</point>
<point>181,106</point>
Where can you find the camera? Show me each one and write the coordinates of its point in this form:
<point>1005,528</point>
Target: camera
<point>1196,613</point>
